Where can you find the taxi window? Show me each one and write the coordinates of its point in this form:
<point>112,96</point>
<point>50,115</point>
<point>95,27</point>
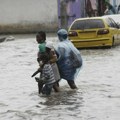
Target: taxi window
<point>88,24</point>
<point>108,22</point>
<point>114,23</point>
<point>111,23</point>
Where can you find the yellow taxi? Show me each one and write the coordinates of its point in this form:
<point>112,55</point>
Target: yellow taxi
<point>94,32</point>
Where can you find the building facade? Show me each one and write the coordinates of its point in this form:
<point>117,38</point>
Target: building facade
<point>69,10</point>
<point>21,16</point>
<point>25,16</point>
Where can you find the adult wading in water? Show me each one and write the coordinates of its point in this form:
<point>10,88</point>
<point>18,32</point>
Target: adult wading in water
<point>69,58</point>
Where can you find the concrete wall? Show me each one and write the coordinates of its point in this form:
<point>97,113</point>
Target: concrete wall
<point>18,16</point>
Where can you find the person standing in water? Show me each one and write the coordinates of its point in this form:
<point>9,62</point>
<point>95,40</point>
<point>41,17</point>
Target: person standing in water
<point>41,40</point>
<point>53,59</point>
<point>47,76</point>
<point>69,58</point>
<point>45,47</point>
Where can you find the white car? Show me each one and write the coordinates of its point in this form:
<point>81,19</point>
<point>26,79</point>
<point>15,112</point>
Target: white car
<point>115,17</point>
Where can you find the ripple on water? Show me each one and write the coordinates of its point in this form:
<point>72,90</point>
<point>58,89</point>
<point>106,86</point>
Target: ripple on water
<point>97,98</point>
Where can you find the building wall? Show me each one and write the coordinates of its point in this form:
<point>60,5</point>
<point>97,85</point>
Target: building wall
<point>28,15</point>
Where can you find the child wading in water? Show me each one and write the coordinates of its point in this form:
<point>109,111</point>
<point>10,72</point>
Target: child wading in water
<point>47,47</point>
<point>47,76</point>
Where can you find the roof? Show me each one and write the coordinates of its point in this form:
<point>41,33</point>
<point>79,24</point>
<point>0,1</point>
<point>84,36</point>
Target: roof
<point>89,18</point>
<point>115,17</point>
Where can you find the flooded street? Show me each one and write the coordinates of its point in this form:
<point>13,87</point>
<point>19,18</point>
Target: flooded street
<point>97,97</point>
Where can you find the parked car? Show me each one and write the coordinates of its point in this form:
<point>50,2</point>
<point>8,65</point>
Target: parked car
<point>115,17</point>
<point>94,32</point>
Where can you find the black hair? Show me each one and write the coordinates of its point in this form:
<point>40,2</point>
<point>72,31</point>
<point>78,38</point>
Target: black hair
<point>45,57</point>
<point>48,50</point>
<point>42,33</point>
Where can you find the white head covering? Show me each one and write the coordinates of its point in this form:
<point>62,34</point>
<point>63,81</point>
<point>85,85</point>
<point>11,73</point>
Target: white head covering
<point>49,44</point>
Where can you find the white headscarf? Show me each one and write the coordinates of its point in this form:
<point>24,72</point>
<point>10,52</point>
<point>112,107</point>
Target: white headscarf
<point>49,44</point>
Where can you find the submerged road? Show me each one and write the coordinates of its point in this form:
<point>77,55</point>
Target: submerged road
<point>97,97</point>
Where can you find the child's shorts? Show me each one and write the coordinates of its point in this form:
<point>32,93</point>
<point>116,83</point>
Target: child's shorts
<point>47,89</point>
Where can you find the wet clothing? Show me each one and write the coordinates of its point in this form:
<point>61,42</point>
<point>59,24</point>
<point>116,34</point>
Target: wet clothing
<point>69,58</point>
<point>52,55</point>
<point>64,62</point>
<point>42,47</point>
<point>47,76</point>
<point>42,50</point>
<point>53,59</point>
<point>47,89</point>
<point>55,71</point>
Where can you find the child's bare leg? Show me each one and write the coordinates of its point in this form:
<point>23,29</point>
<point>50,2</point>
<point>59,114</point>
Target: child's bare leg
<point>56,87</point>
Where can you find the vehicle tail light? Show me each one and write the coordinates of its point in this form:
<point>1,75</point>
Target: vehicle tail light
<point>103,31</point>
<point>72,33</point>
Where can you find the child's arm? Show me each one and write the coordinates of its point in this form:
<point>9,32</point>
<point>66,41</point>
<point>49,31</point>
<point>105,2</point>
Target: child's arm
<point>53,57</point>
<point>36,72</point>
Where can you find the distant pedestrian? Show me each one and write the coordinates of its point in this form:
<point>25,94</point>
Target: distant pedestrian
<point>69,58</point>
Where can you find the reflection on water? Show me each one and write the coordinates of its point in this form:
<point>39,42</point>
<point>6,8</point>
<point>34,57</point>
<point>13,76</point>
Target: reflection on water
<point>97,97</point>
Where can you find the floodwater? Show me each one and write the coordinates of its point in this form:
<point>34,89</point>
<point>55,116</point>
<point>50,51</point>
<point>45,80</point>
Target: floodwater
<point>97,96</point>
